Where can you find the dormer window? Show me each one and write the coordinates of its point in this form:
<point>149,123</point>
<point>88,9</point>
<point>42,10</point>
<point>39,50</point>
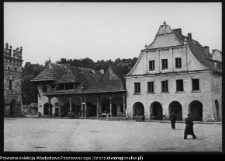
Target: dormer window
<point>60,87</point>
<point>69,86</point>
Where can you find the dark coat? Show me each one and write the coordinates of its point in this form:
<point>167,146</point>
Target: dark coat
<point>173,118</point>
<point>189,126</point>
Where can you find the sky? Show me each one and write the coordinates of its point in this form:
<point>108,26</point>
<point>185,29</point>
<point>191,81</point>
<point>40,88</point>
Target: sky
<point>106,30</point>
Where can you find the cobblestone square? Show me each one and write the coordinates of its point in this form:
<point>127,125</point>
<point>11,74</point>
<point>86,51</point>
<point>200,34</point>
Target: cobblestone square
<point>86,135</point>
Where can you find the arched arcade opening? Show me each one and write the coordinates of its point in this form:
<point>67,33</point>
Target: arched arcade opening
<point>156,111</point>
<point>138,109</point>
<point>176,107</point>
<point>196,110</point>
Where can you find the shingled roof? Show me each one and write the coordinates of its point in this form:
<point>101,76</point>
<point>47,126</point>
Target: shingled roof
<point>198,51</point>
<point>112,81</point>
<point>52,72</point>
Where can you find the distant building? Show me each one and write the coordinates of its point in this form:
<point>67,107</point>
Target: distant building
<point>12,80</point>
<point>88,93</point>
<point>175,73</point>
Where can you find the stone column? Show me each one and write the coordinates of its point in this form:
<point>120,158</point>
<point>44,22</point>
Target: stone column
<point>70,100</point>
<point>97,105</point>
<point>85,107</point>
<point>59,105</point>
<point>82,109</point>
<point>49,107</point>
<point>110,106</point>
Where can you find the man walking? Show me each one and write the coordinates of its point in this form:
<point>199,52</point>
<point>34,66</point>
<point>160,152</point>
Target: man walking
<point>189,127</point>
<point>173,119</point>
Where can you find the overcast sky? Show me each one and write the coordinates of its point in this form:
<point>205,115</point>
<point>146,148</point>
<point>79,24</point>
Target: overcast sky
<point>103,30</point>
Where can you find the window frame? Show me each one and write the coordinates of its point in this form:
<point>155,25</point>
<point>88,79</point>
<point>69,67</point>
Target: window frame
<point>137,87</point>
<point>151,84</point>
<point>151,65</point>
<point>178,89</point>
<point>164,63</point>
<point>167,86</point>
<point>178,63</point>
<point>193,85</point>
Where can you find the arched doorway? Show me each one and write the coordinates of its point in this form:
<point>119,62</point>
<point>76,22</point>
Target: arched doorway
<point>46,110</point>
<point>91,109</point>
<point>138,109</point>
<point>105,106</point>
<point>196,110</point>
<point>217,110</point>
<point>176,107</point>
<point>12,107</point>
<point>66,108</point>
<point>156,110</point>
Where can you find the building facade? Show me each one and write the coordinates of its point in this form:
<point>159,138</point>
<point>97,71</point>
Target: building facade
<point>175,73</point>
<point>63,89</point>
<point>12,80</point>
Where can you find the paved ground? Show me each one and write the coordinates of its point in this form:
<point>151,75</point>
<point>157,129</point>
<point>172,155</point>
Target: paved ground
<point>49,134</point>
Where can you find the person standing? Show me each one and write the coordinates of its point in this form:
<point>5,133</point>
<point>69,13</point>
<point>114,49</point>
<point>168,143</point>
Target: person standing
<point>173,119</point>
<point>189,127</point>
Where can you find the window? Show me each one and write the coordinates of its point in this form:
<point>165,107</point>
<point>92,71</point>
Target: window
<point>44,88</point>
<point>60,87</point>
<point>151,65</point>
<point>164,86</point>
<point>150,87</point>
<point>180,86</point>
<point>178,62</point>
<point>10,84</point>
<point>164,64</point>
<point>15,69</point>
<point>195,84</point>
<point>69,86</point>
<point>137,88</point>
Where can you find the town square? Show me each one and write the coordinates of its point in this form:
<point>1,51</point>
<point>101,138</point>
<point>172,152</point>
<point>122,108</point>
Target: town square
<point>92,135</point>
<point>112,77</point>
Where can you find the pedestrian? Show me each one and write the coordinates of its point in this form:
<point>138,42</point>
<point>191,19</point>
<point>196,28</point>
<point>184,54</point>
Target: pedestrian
<point>189,127</point>
<point>173,119</point>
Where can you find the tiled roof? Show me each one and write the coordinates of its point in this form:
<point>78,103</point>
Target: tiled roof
<point>52,72</point>
<point>106,86</point>
<point>110,81</point>
<point>198,51</point>
<point>46,75</point>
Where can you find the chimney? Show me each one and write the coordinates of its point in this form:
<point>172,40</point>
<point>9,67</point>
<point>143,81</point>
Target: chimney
<point>102,71</point>
<point>206,49</point>
<point>178,31</point>
<point>189,36</point>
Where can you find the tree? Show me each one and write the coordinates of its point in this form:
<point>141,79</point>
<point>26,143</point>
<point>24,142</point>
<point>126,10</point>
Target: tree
<point>29,89</point>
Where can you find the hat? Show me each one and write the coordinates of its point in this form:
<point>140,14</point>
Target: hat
<point>189,114</point>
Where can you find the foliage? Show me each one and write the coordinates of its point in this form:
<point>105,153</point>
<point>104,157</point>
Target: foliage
<point>29,89</point>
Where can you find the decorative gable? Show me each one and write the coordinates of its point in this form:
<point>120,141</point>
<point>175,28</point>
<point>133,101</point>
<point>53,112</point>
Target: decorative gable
<point>164,38</point>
